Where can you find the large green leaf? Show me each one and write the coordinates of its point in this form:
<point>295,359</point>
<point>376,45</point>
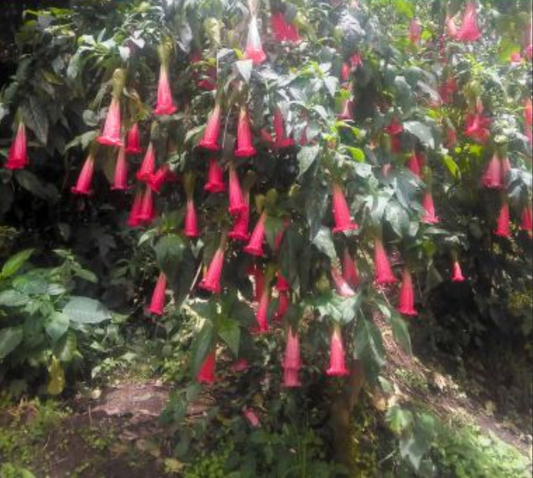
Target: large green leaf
<point>35,118</point>
<point>56,325</point>
<point>324,242</point>
<point>230,332</point>
<point>400,330</point>
<point>306,157</point>
<point>421,131</point>
<point>15,262</point>
<point>10,339</point>
<point>169,251</point>
<point>369,347</point>
<point>84,310</point>
<point>13,298</point>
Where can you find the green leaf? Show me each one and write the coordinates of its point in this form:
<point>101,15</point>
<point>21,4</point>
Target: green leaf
<point>35,118</point>
<point>13,298</point>
<point>369,347</point>
<point>84,310</point>
<point>56,325</point>
<point>421,131</point>
<point>316,198</point>
<point>230,332</point>
<point>202,345</point>
<point>399,419</point>
<point>169,251</point>
<point>289,254</point>
<point>398,218</point>
<point>306,157</point>
<point>324,242</point>
<point>15,262</point>
<point>10,339</point>
<point>34,185</point>
<point>452,166</point>
<point>400,330</point>
<point>66,347</point>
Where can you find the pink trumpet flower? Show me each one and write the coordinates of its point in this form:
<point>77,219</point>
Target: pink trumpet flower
<point>477,127</point>
<point>291,378</point>
<point>415,31</point>
<point>240,227</point>
<point>279,129</point>
<point>133,140</point>
<point>191,220</point>
<point>17,157</point>
<point>147,168</point>
<point>457,275</point>
<point>147,211</point>
<point>282,30</point>
<point>207,371</point>
<point>112,135</point>
<point>493,175</point>
<point>212,131</point>
<point>383,272</point>
<point>133,219</point>
<point>469,31</point>
<point>283,306</point>
<point>341,212</point>
<point>282,284</point>
<point>83,185</point>
<point>245,147</point>
<point>165,103</point>
<point>337,365</point>
<point>413,164</point>
<point>342,287</point>
<point>120,181</point>
<point>429,216</point>
<point>349,270</point>
<point>157,304</point>
<point>215,178</point>
<point>292,359</point>
<point>504,222</point>
<point>407,295</point>
<point>211,281</point>
<point>237,204</point>
<point>262,313</point>
<point>255,246</point>
<point>254,47</point>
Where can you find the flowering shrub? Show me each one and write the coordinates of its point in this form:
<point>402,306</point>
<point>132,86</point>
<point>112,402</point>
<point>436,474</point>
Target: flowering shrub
<point>316,168</point>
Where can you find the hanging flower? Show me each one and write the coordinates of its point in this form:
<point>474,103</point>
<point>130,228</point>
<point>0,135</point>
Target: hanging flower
<point>254,47</point>
<point>282,284</point>
<point>147,168</point>
<point>157,304</point>
<point>292,358</point>
<point>448,89</point>
<point>349,270</point>
<point>120,181</point>
<point>83,185</point>
<point>240,365</point>
<point>147,211</point>
<point>415,31</point>
<point>279,129</point>
<point>291,378</point>
<point>133,219</point>
<point>133,140</point>
<point>245,147</point>
<point>356,60</point>
<point>493,175</point>
<point>159,178</point>
<point>457,275</point>
<point>337,365</point>
<point>527,221</point>
<point>240,226</point>
<point>413,164</point>
<point>341,285</point>
<point>258,279</point>
<point>477,126</point>
<point>346,71</point>
<point>451,27</point>
<point>262,313</point>
<point>504,222</point>
<point>165,103</point>
<point>255,246</point>
<point>341,212</point>
<point>215,178</point>
<point>17,157</point>
<point>237,204</point>
<point>207,372</point>
<point>283,306</point>
<point>212,131</point>
<point>191,220</point>
<point>211,280</point>
<point>282,30</point>
<point>395,127</point>
<point>111,135</point>
<point>383,273</point>
<point>281,234</point>
<point>407,295</point>
<point>469,31</point>
<point>429,216</point>
<point>252,418</point>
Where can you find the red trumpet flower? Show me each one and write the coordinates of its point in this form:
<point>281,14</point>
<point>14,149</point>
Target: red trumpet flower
<point>215,178</point>
<point>191,220</point>
<point>415,166</point>
<point>291,378</point>
<point>337,365</point>
<point>383,273</point>
<point>237,204</point>
<point>469,31</point>
<point>279,130</point>
<point>245,147</point>
<point>407,295</point>
<point>346,71</point>
<point>133,140</point>
<point>259,280</point>
<point>457,275</point>
<point>255,246</point>
<point>254,47</point>
<point>207,372</point>
<point>157,304</point>
<point>133,219</point>
<point>477,126</point>
<point>341,285</point>
<point>349,270</point>
<point>429,216</point>
<point>83,185</point>
<point>112,136</point>
<point>292,358</point>
<point>147,211</point>
<point>493,177</point>
<point>240,226</point>
<point>212,131</point>
<point>147,168</point>
<point>504,222</point>
<point>283,305</point>
<point>282,30</point>
<point>341,212</point>
<point>120,181</point>
<point>17,157</point>
<point>262,313</point>
<point>211,281</point>
<point>165,103</point>
<point>282,284</point>
<point>159,178</point>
